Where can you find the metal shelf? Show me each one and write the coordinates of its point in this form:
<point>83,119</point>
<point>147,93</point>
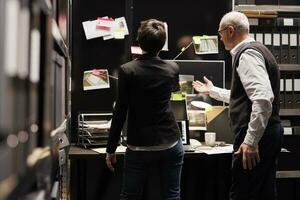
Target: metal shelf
<point>289,112</point>
<point>289,67</point>
<point>288,174</point>
<point>278,8</point>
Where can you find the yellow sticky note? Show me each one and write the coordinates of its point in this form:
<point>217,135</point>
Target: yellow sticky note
<point>197,39</point>
<point>119,34</point>
<point>178,96</point>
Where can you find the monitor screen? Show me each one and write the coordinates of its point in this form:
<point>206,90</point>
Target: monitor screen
<point>180,112</point>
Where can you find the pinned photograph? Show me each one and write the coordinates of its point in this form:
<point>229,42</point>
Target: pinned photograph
<point>185,82</point>
<point>206,44</point>
<point>95,79</point>
<point>91,31</point>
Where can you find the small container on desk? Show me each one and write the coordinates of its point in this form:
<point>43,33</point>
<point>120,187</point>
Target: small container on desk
<point>93,129</point>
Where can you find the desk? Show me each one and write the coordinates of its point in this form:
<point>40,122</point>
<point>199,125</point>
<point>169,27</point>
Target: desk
<point>204,177</point>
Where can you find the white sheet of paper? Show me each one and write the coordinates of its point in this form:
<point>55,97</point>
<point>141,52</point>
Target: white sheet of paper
<point>166,45</point>
<point>118,30</point>
<point>91,31</point>
<point>217,150</point>
<point>121,23</point>
<point>102,150</point>
<point>108,37</point>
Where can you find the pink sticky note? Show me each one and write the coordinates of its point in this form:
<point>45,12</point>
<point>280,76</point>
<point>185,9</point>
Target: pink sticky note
<point>104,23</point>
<point>136,50</point>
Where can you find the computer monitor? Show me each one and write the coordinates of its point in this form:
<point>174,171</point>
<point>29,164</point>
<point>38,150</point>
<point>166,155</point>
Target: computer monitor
<point>180,113</point>
<point>212,69</point>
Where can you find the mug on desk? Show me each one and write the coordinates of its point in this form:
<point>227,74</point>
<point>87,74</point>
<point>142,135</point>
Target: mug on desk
<point>210,138</point>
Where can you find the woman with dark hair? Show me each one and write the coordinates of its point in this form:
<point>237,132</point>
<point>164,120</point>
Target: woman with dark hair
<point>153,137</point>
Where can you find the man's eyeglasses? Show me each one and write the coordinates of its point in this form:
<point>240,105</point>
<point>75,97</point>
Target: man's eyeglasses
<point>223,29</point>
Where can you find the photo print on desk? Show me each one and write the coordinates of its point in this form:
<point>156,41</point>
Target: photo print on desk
<point>196,115</point>
<point>95,79</point>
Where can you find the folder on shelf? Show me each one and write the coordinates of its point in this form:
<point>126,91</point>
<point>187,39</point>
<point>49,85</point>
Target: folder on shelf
<point>267,25</point>
<point>288,84</point>
<point>281,100</point>
<point>296,82</point>
<point>281,95</point>
<point>297,100</point>
<point>288,97</point>
<point>288,100</point>
<point>259,37</point>
<point>284,47</point>
<point>293,47</point>
<point>299,45</point>
<point>268,40</point>
<point>296,130</point>
<point>276,47</point>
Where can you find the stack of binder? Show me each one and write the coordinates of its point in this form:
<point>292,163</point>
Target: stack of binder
<point>281,36</point>
<point>93,129</point>
<point>290,89</point>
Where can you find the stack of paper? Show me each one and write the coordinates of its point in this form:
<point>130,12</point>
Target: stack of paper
<point>105,27</point>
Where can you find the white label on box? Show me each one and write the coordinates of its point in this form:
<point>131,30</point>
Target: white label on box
<point>259,37</point>
<point>268,39</point>
<point>276,39</point>
<point>287,130</point>
<point>288,84</point>
<point>288,22</point>
<point>285,39</point>
<point>296,84</point>
<point>293,40</point>
<point>281,84</point>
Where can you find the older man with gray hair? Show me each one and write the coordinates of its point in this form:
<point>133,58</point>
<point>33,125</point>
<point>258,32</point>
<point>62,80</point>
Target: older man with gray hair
<point>254,110</point>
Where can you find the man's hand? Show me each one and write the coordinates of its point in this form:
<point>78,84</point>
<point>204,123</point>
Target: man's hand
<point>250,156</point>
<point>203,87</point>
<point>110,160</point>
